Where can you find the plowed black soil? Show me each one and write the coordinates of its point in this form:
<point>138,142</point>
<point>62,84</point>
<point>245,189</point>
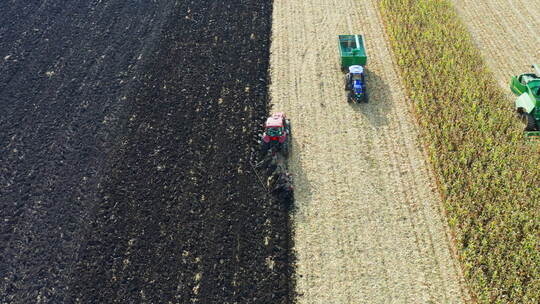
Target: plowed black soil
<point>126,129</point>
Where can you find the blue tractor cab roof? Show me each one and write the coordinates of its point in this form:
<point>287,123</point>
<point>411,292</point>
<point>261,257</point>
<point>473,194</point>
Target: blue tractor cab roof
<point>356,69</point>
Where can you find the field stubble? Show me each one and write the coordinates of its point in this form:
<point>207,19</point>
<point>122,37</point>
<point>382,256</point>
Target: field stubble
<point>367,222</point>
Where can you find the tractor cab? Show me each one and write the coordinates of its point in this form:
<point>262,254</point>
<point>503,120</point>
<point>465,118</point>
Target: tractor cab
<point>356,71</point>
<point>524,79</point>
<point>277,131</point>
<point>355,84</point>
<point>274,128</point>
<point>274,132</point>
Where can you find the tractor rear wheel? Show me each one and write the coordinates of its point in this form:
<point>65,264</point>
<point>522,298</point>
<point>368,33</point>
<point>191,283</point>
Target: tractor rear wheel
<point>265,147</point>
<point>289,127</point>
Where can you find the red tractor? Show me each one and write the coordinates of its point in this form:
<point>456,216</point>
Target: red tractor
<point>277,134</point>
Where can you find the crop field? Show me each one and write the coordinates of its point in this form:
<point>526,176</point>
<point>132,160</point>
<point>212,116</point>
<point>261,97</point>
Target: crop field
<point>489,177</point>
<point>127,132</point>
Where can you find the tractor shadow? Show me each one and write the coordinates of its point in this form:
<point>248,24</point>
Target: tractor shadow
<point>380,100</point>
<point>303,192</point>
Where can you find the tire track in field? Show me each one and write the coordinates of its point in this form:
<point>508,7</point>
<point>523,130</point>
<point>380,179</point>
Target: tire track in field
<point>367,226</point>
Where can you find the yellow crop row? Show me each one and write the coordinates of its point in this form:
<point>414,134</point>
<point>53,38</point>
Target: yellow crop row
<point>489,177</point>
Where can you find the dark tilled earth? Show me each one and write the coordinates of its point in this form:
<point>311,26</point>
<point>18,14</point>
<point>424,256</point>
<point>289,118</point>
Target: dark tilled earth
<point>126,130</point>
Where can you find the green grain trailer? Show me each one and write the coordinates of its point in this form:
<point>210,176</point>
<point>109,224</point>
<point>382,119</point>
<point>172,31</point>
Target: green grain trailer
<point>352,51</point>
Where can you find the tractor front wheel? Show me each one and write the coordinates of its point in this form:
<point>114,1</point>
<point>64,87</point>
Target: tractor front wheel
<point>289,127</point>
<point>531,123</point>
<point>527,119</point>
<point>350,98</point>
<point>285,149</point>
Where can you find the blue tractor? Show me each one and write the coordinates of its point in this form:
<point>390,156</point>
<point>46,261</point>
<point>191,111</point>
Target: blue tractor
<point>355,83</point>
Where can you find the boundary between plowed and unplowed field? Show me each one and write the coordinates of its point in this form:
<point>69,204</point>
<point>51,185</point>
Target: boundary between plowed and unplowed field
<point>488,177</point>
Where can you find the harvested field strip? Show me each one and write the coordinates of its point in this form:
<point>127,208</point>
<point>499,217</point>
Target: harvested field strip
<point>489,178</point>
<point>367,221</point>
<point>506,32</point>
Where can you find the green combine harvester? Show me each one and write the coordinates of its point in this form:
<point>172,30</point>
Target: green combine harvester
<point>527,88</point>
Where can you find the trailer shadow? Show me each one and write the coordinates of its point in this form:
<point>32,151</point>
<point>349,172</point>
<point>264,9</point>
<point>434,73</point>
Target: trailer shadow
<point>380,100</point>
